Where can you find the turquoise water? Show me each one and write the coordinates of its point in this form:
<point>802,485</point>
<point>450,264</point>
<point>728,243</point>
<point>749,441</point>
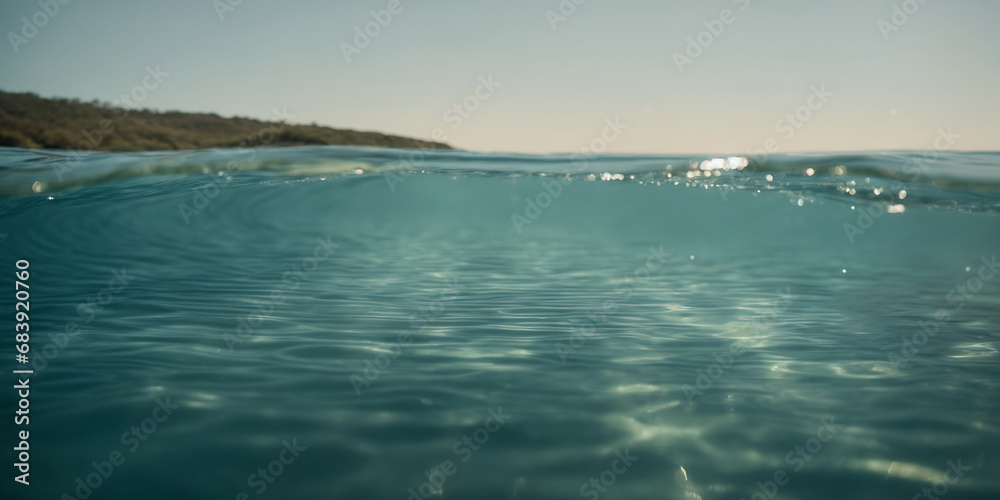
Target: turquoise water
<point>331,322</point>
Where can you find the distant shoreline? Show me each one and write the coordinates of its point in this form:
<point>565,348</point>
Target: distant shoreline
<point>33,122</point>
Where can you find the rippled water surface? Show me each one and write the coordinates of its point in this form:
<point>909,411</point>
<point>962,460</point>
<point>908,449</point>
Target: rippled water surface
<point>364,323</point>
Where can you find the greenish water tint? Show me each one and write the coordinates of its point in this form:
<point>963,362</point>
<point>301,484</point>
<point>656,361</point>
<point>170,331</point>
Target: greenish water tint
<point>337,322</point>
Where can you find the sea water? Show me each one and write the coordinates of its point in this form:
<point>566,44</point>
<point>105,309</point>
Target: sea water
<point>336,322</point>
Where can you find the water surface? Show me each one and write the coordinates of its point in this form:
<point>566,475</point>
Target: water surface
<point>534,321</point>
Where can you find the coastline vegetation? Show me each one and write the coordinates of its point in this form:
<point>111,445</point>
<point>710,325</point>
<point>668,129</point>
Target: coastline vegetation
<point>30,121</point>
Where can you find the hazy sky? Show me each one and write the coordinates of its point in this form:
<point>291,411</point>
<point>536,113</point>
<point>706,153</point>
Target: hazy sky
<point>557,87</point>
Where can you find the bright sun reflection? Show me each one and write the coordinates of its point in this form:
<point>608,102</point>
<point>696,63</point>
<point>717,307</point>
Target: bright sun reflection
<point>731,163</point>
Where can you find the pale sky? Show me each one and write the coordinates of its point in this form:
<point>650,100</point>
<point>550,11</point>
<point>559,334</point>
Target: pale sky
<point>557,87</point>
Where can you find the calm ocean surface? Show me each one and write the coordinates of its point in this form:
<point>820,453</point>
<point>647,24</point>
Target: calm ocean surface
<point>361,323</point>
